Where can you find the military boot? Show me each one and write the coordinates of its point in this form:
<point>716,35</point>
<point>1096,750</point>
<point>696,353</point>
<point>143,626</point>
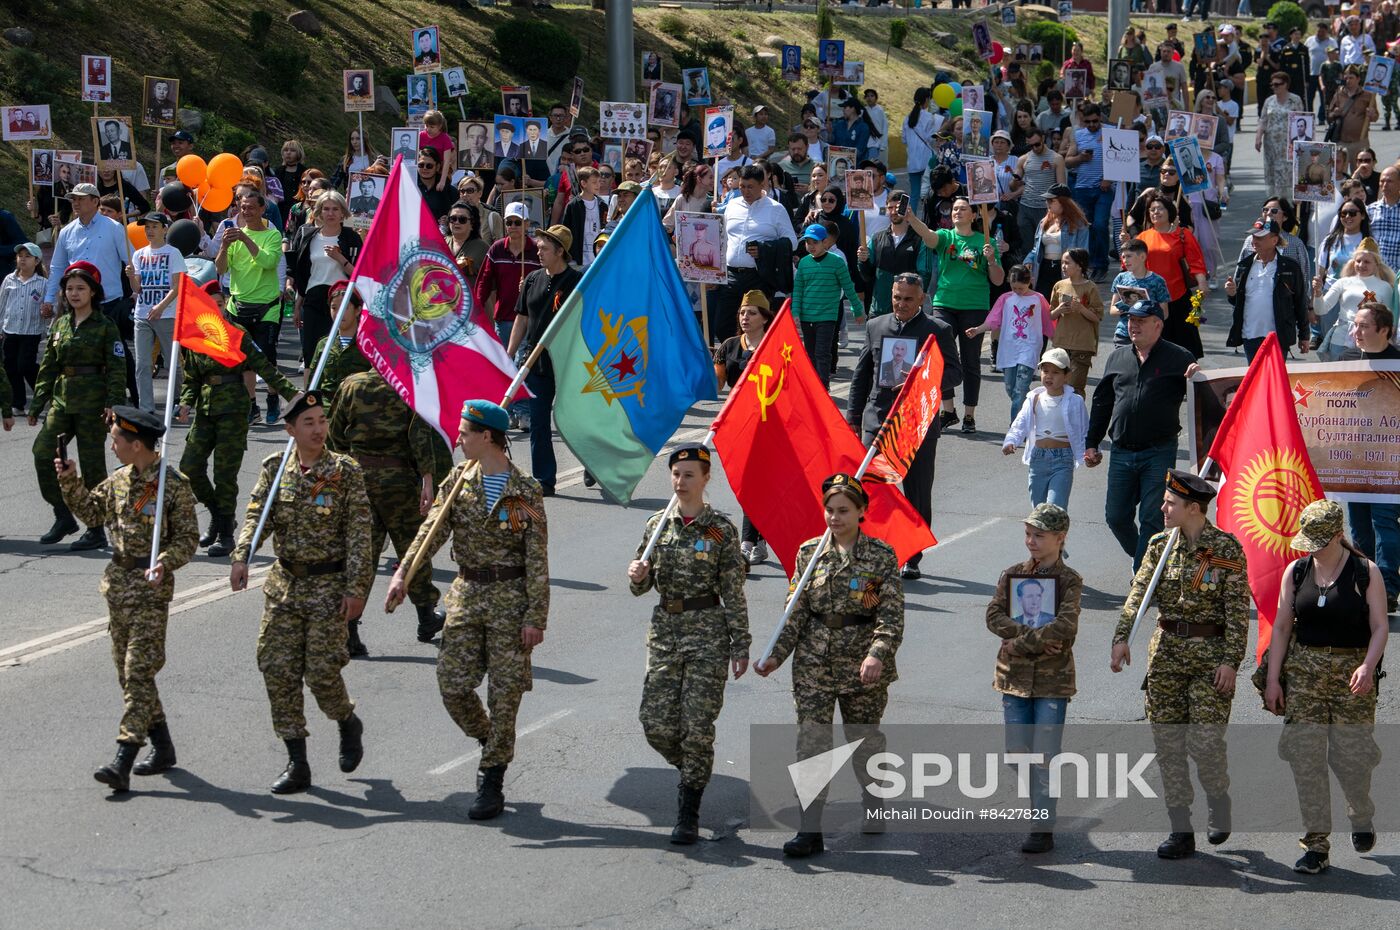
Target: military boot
<point>117,773</point>
<point>1182,840</point>
<point>687,829</point>
<point>161,758</point>
<point>352,748</point>
<point>429,623</point>
<point>354,643</point>
<point>490,798</point>
<point>297,775</point>
<point>95,537</point>
<point>872,810</point>
<point>63,525</point>
<point>212,532</point>
<point>1218,819</point>
<point>808,841</point>
<point>223,542</point>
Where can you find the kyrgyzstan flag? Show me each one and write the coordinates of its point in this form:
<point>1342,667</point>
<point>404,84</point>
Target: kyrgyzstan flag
<point>1269,478</point>
<point>201,327</point>
<point>420,329</point>
<point>780,435</point>
<point>913,413</point>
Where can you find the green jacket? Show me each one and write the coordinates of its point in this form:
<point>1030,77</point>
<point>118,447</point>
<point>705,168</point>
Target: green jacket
<point>228,397</point>
<point>343,362</point>
<point>817,288</point>
<point>93,344</point>
<point>369,418</point>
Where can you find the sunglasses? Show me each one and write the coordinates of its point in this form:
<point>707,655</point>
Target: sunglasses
<point>1365,161</point>
<point>457,218</point>
<point>584,151</point>
<point>1279,83</point>
<point>515,222</point>
<point>1272,210</point>
<point>1350,213</point>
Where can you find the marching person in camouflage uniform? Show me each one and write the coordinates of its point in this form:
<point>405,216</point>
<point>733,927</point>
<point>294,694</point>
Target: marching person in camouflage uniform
<point>320,526</point>
<point>1328,640</point>
<point>1202,627</point>
<point>220,396</point>
<point>82,376</point>
<point>138,604</point>
<point>844,630</point>
<point>345,358</point>
<point>498,605</point>
<point>1035,664</point>
<point>699,631</point>
<point>372,424</point>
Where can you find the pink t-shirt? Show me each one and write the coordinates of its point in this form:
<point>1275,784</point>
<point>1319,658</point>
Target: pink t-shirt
<point>442,142</point>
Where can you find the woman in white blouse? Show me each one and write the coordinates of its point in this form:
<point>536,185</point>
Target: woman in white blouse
<point>1365,277</point>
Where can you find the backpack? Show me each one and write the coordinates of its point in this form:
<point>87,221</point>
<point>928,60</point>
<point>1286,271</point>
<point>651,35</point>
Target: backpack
<point>1362,581</point>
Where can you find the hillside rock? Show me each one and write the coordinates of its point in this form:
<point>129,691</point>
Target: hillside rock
<point>768,58</point>
<point>18,35</point>
<point>305,22</point>
<point>190,120</point>
<point>385,101</point>
<point>775,41</point>
<point>946,39</point>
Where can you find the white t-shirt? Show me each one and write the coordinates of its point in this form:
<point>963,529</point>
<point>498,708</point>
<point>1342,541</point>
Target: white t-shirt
<point>1317,53</point>
<point>157,268</point>
<point>1259,299</point>
<point>1019,319</point>
<point>324,269</point>
<point>762,139</point>
<point>1231,109</point>
<point>592,225</point>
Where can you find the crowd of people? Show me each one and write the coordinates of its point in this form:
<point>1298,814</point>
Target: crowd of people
<point>82,345</point>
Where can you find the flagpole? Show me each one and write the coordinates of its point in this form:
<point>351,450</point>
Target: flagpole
<point>1205,468</point>
<point>666,514</point>
<point>164,444</point>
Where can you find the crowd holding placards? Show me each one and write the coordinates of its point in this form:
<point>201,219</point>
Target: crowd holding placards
<point>1018,202</point>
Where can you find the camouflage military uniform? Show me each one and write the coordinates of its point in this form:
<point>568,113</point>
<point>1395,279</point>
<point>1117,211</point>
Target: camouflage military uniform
<point>395,449</point>
<point>481,638</point>
<point>1201,584</point>
<point>126,504</point>
<point>1029,672</point>
<point>345,360</point>
<point>82,374</point>
<point>321,517</point>
<point>217,395</point>
<point>688,651</point>
<point>826,665</point>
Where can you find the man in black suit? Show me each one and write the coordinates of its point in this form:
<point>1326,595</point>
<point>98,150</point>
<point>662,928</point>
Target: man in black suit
<point>533,146</point>
<point>870,403</point>
<point>506,146</point>
<point>114,147</point>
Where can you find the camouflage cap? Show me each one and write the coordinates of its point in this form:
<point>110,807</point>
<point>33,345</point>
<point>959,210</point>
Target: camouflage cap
<point>1049,517</point>
<point>1318,525</point>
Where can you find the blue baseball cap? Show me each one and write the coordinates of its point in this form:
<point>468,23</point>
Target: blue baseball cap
<point>816,232</point>
<point>485,413</point>
<point>1146,308</point>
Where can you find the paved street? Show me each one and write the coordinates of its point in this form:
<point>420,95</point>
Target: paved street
<point>590,806</point>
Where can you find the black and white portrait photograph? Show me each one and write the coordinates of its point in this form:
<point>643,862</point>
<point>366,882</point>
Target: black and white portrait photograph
<point>41,167</point>
<point>427,56</point>
<point>403,140</point>
<point>515,101</point>
<point>665,105</point>
<point>1120,74</point>
<point>422,96</point>
<point>26,123</point>
<point>651,66</point>
<point>697,85</point>
<point>161,98</point>
<point>896,360</point>
<point>366,191</point>
<point>359,90</point>
<point>456,81</point>
<point>111,137</point>
<point>1032,599</point>
<point>474,145</point>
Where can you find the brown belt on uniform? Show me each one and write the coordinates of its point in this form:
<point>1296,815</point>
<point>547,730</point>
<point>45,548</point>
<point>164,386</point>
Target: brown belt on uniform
<point>679,605</point>
<point>493,574</point>
<point>73,370</point>
<point>1335,650</point>
<point>381,461</point>
<point>1182,628</point>
<point>129,562</point>
<point>841,621</point>
<point>215,380</point>
<point>308,569</point>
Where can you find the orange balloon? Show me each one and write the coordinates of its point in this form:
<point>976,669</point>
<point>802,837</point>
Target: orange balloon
<point>202,191</point>
<point>218,199</point>
<point>224,170</point>
<point>191,170</point>
<point>136,235</point>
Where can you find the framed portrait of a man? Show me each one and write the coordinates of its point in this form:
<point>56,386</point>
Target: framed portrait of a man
<point>697,86</point>
<point>831,57</point>
<point>509,132</point>
<point>897,354</point>
<point>576,98</point>
<point>1300,129</point>
<point>665,105</point>
<point>161,98</point>
<point>860,190</point>
<point>403,140</point>
<point>456,81</point>
<point>97,79</point>
<point>366,191</point>
<point>981,180</point>
<point>112,141</point>
<point>1033,599</point>
<point>474,145</point>
<point>422,97</point>
<point>515,101</point>
<point>700,247</point>
<point>359,90</point>
<point>1120,74</point>
<point>41,167</point>
<point>427,56</point>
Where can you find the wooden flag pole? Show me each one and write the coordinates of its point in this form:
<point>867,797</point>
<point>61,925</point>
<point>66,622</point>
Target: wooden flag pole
<point>705,313</point>
<point>121,192</point>
<point>156,172</point>
<point>361,115</point>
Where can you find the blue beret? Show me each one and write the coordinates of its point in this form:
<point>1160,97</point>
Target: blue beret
<point>485,413</point>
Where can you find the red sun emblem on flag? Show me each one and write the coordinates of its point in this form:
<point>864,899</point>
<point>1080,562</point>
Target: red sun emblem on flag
<point>1270,497</point>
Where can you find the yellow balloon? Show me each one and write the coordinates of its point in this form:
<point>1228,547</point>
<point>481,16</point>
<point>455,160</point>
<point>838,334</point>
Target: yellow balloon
<point>943,95</point>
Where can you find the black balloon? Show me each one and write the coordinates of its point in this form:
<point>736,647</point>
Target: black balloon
<point>184,236</point>
<point>175,197</point>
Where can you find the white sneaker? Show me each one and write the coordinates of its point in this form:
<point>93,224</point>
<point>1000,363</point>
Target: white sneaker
<point>746,552</point>
<point>760,552</point>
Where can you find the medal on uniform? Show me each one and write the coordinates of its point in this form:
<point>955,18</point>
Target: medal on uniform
<point>700,552</point>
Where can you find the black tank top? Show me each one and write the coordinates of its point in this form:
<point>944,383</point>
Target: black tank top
<point>1343,619</point>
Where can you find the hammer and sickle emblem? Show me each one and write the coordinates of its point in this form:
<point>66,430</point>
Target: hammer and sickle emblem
<point>766,398</point>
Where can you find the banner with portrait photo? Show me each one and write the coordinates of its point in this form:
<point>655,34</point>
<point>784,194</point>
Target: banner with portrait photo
<point>1120,155</point>
<point>515,101</point>
<point>651,66</point>
<point>792,63</point>
<point>973,97</point>
<point>1314,172</point>
<point>427,55</point>
<point>422,97</point>
<point>1349,413</point>
<point>700,247</point>
<point>982,39</point>
<point>97,79</point>
<point>1064,9</point>
<point>860,189</point>
<point>719,129</point>
<point>474,146</point>
<point>358,84</point>
<point>697,86</point>
<point>1076,83</point>
<point>456,81</point>
<point>1301,127</point>
<point>1033,599</point>
<point>1120,74</point>
<point>665,105</point>
<point>1378,74</point>
<point>509,131</point>
<point>69,174</point>
<point>403,142</point>
<point>576,98</point>
<point>366,191</point>
<point>852,75</point>
<point>831,57</point>
<point>839,160</point>
<point>1178,125</point>
<point>1008,15</point>
<point>617,120</point>
<point>1204,126</point>
<point>639,149</point>
<point>977,132</point>
<point>41,167</point>
<point>1190,165</point>
<point>112,141</point>
<point>160,102</point>
<point>981,180</point>
<point>1154,92</point>
<point>25,123</point>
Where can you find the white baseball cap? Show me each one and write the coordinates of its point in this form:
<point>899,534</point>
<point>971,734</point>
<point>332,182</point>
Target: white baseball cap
<point>517,211</point>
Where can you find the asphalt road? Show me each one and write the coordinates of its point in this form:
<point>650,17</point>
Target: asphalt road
<point>584,841</point>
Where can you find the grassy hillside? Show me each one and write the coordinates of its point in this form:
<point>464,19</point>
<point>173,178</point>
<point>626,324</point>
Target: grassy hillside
<point>272,85</point>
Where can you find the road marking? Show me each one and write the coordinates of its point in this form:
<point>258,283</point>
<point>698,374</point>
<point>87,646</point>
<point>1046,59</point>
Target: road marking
<point>963,534</point>
<point>537,725</point>
<point>61,640</point>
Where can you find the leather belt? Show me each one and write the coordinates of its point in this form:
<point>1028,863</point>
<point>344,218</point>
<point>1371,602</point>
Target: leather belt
<point>841,621</point>
<point>214,380</point>
<point>1335,650</point>
<point>129,562</point>
<point>1182,628</point>
<point>381,461</point>
<point>679,605</point>
<point>308,569</point>
<point>493,574</point>
<point>73,370</point>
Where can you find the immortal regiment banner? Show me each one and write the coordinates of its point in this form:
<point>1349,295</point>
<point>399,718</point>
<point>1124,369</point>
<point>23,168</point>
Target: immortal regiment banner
<point>1349,413</point>
<point>911,416</point>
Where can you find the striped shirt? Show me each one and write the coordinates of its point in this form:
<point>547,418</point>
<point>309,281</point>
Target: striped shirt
<point>493,486</point>
<point>1090,173</point>
<point>19,305</point>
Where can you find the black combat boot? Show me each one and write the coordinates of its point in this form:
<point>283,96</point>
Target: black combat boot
<point>429,623</point>
<point>1039,842</point>
<point>161,758</point>
<point>353,641</point>
<point>808,841</point>
<point>352,748</point>
<point>1182,841</point>
<point>490,799</point>
<point>212,533</point>
<point>95,537</point>
<point>1218,819</point>
<point>687,829</point>
<point>223,542</point>
<point>296,776</point>
<point>63,525</point>
<point>872,810</point>
<point>117,773</point>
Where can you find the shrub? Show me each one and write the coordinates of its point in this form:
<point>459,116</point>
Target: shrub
<point>1047,33</point>
<point>519,43</point>
<point>283,66</point>
<point>219,135</point>
<point>715,50</point>
<point>687,58</point>
<point>672,25</point>
<point>826,21</point>
<point>1288,16</point>
<point>259,25</point>
<point>899,31</point>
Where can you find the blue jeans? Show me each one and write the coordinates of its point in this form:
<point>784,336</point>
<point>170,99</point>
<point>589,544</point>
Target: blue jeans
<point>1052,476</point>
<point>503,334</point>
<point>916,187</point>
<point>1035,725</point>
<point>1136,482</point>
<point>1017,379</point>
<point>543,466</point>
<point>1375,531</point>
<point>1097,205</point>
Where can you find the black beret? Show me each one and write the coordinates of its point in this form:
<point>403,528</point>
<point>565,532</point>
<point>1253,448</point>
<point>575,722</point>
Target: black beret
<point>302,404</point>
<point>847,483</point>
<point>1189,487</point>
<point>143,425</point>
<point>696,453</point>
